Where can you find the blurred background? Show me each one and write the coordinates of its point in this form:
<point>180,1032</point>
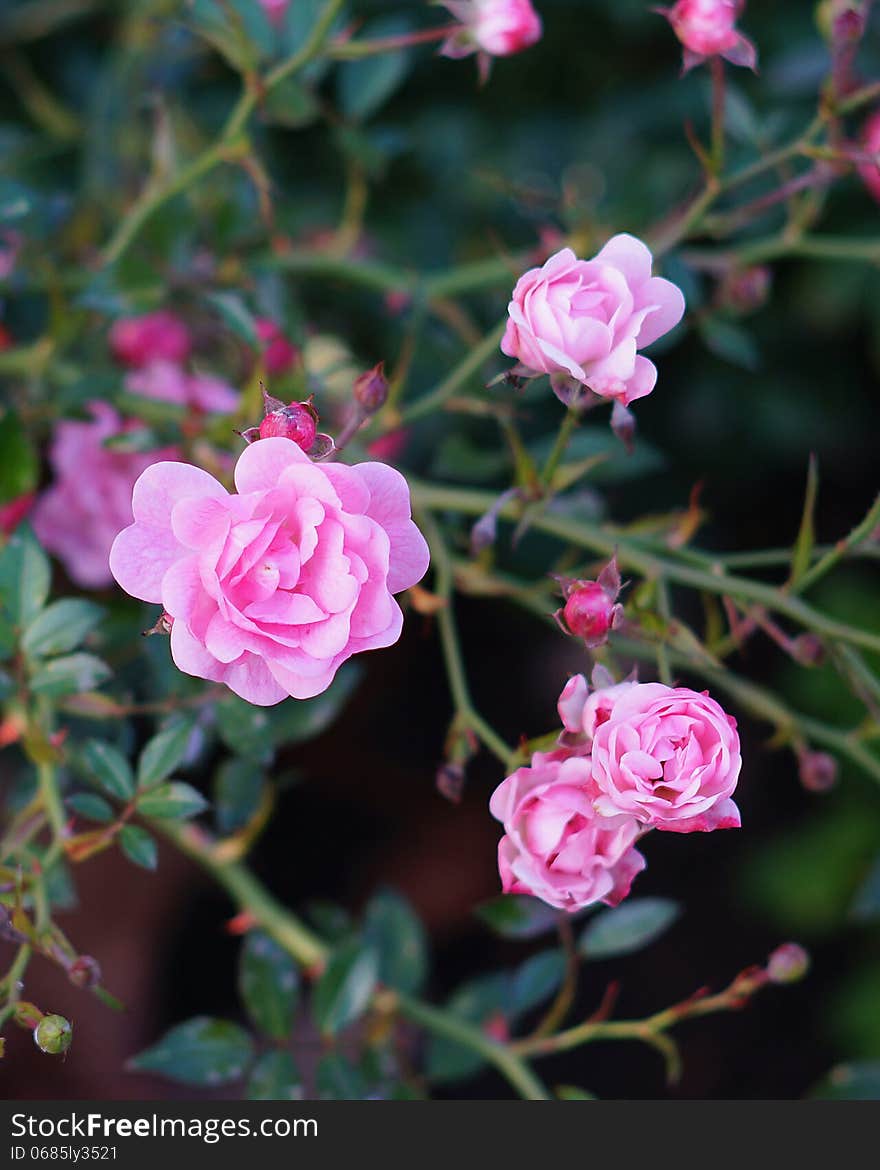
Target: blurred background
<point>585,129</point>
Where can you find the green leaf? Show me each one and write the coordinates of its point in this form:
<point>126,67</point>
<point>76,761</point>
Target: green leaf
<point>19,464</point>
<point>291,104</point>
<point>275,1078</point>
<point>803,549</point>
<point>537,979</point>
<point>731,343</point>
<point>60,627</point>
<point>269,984</point>
<point>238,791</point>
<point>25,576</point>
<point>517,916</point>
<point>173,802</point>
<point>364,86</point>
<point>859,1081</point>
<point>70,675</point>
<point>91,806</point>
<point>203,1052</point>
<point>343,991</point>
<point>393,928</point>
<point>478,1001</point>
<point>163,753</point>
<point>138,846</point>
<point>236,315</point>
<point>337,1079</point>
<point>628,927</point>
<point>107,768</point>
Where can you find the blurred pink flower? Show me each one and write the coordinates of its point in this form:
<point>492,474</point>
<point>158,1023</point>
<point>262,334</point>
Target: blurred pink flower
<point>587,318</point>
<point>169,382</point>
<point>707,28</point>
<point>279,354</point>
<point>870,172</point>
<point>14,511</point>
<point>153,337</point>
<point>668,756</point>
<point>555,846</point>
<point>89,502</point>
<point>271,590</point>
<point>275,9</point>
<point>497,28</point>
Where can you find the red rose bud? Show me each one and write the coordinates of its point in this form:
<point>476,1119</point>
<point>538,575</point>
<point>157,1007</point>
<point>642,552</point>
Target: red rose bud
<point>279,354</point>
<point>788,964</point>
<point>298,421</point>
<point>53,1035</point>
<point>371,389</point>
<point>591,608</point>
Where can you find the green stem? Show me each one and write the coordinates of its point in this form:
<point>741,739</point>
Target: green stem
<point>12,980</point>
<point>862,532</point>
<point>566,430</point>
<point>459,377</point>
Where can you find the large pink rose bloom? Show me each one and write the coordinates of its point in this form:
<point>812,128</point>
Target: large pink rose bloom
<point>555,846</point>
<point>870,171</point>
<point>707,28</point>
<point>90,500</point>
<point>497,27</point>
<point>272,589</point>
<point>588,318</point>
<point>669,757</point>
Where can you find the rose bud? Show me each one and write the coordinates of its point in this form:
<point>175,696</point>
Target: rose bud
<point>53,1035</point>
<point>371,389</point>
<point>84,972</point>
<point>591,608</point>
<point>298,421</point>
<point>496,28</point>
<point>279,354</point>
<point>807,650</point>
<point>788,964</point>
<point>159,336</point>
<point>818,771</point>
<point>745,290</point>
<point>706,28</point>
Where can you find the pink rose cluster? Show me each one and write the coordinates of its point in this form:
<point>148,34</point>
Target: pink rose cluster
<point>271,589</point>
<point>491,28</point>
<point>632,757</point>
<point>707,28</point>
<point>587,319</point>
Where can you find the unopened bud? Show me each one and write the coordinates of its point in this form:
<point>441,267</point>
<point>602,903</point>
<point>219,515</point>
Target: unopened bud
<point>298,421</point>
<point>745,290</point>
<point>788,964</point>
<point>371,389</point>
<point>450,782</point>
<point>807,649</point>
<point>591,608</point>
<point>84,972</point>
<point>623,424</point>
<point>818,771</point>
<point>53,1035</point>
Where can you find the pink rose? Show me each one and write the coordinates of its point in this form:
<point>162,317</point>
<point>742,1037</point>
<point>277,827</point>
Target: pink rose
<point>669,757</point>
<point>707,28</point>
<point>581,712</point>
<point>870,172</point>
<point>272,589</point>
<point>587,318</point>
<point>169,382</point>
<point>497,27</point>
<point>555,846</point>
<point>90,501</point>
<point>159,336</point>
<point>279,354</point>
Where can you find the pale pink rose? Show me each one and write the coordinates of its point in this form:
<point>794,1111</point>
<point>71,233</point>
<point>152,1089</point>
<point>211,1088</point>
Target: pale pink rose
<point>279,354</point>
<point>169,382</point>
<point>153,337</point>
<point>89,502</point>
<point>496,27</point>
<point>669,757</point>
<point>870,172</point>
<point>707,28</point>
<point>555,846</point>
<point>588,318</point>
<point>272,589</point>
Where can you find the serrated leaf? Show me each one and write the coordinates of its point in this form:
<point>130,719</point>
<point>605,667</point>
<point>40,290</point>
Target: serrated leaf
<point>25,575</point>
<point>163,753</point>
<point>394,929</point>
<point>275,1077</point>
<point>517,916</point>
<point>60,627</point>
<point>344,989</point>
<point>628,927</point>
<point>70,675</point>
<point>107,768</point>
<point>337,1079</point>
<point>138,846</point>
<point>238,792</point>
<point>268,981</point>
<point>205,1052</point>
<point>91,806</point>
<point>173,802</point>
